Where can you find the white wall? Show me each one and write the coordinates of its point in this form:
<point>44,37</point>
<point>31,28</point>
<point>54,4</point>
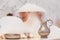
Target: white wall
<point>52,6</point>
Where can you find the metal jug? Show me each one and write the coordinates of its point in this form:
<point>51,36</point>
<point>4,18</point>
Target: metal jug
<point>44,30</point>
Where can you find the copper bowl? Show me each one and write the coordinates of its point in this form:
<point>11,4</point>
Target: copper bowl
<point>12,36</point>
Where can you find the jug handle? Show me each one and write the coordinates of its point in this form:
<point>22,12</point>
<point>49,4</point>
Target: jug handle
<point>51,22</point>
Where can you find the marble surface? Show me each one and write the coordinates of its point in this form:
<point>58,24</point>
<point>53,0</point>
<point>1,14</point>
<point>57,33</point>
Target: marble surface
<point>32,39</point>
<point>52,7</point>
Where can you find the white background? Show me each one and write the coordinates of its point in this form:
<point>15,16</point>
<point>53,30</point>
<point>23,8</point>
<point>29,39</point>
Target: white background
<point>51,6</point>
